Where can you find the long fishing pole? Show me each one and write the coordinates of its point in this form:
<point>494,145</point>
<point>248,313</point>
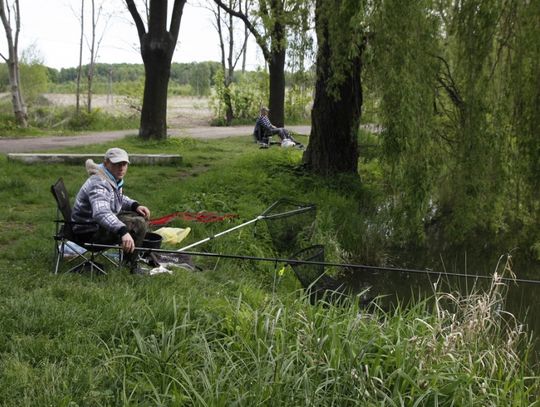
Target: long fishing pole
<point>319,263</point>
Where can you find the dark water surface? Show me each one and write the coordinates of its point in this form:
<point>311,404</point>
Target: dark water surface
<point>522,299</point>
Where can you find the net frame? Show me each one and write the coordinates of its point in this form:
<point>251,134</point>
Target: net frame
<point>290,224</point>
<point>298,209</point>
<point>316,283</point>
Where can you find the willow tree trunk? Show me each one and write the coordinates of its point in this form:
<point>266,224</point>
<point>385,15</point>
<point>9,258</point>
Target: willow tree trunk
<point>335,117</point>
<point>276,69</point>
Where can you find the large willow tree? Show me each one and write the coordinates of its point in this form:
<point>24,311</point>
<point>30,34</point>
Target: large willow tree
<point>335,117</point>
<point>404,72</point>
<point>520,76</point>
<point>459,89</point>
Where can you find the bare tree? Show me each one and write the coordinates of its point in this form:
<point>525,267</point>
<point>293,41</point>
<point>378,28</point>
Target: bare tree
<point>93,53</point>
<point>229,56</point>
<point>94,44</point>
<point>246,35</point>
<point>7,11</point>
<point>269,26</point>
<point>157,48</point>
<point>79,69</point>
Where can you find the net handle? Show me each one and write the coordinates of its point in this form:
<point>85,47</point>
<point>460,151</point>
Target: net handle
<point>260,217</point>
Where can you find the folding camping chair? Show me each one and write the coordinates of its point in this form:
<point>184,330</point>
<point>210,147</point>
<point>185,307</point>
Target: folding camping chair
<point>65,240</point>
<point>262,137</point>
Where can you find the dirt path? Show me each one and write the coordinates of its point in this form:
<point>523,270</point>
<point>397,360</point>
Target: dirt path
<point>187,117</point>
<point>33,144</point>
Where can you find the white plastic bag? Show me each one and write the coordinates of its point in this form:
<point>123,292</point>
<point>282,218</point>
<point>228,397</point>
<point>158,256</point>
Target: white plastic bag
<point>287,143</point>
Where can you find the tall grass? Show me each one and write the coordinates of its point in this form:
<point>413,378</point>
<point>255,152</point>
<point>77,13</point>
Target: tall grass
<point>44,119</point>
<point>291,353</point>
<point>237,333</point>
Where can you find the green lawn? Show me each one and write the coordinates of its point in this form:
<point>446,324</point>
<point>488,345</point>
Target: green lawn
<point>237,332</point>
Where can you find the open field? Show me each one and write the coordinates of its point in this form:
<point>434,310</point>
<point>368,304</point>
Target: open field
<point>183,111</point>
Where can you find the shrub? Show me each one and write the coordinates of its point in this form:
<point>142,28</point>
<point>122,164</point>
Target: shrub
<point>99,120</point>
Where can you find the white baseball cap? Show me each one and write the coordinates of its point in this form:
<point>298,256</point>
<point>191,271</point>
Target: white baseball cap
<point>116,155</point>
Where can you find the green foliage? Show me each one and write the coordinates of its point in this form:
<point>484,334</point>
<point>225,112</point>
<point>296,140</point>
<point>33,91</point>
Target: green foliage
<point>42,117</point>
<point>520,119</point>
<point>193,79</point>
<point>133,89</point>
<point>342,27</point>
<point>4,78</point>
<point>249,91</point>
<point>34,81</point>
<point>247,94</point>
<point>297,104</point>
<point>455,90</point>
<point>7,121</point>
<point>267,346</point>
<point>97,120</point>
<point>404,75</point>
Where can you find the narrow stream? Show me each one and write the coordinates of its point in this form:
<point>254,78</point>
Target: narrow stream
<point>521,301</point>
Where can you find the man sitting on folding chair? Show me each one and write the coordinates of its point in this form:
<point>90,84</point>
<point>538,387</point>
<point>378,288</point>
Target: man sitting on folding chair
<point>264,128</point>
<point>102,214</point>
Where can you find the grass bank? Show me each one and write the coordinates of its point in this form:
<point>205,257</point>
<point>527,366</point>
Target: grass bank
<point>236,333</point>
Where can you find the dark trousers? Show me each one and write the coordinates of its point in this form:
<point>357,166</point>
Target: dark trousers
<point>283,134</point>
<point>137,228</point>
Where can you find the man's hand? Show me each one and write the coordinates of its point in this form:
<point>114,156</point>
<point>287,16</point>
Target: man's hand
<point>128,244</point>
<point>143,211</point>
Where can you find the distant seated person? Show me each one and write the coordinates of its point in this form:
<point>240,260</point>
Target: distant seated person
<point>103,214</point>
<point>264,129</point>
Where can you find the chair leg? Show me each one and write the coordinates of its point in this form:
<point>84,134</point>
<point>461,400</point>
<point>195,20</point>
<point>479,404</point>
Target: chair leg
<point>84,261</point>
<point>89,265</point>
<point>58,254</point>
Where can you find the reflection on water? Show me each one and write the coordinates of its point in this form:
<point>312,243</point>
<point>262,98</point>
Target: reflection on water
<point>397,286</point>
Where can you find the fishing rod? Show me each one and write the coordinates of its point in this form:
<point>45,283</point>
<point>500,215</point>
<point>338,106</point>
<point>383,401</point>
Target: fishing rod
<point>319,263</point>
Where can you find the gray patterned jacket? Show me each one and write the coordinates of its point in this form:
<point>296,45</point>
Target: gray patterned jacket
<point>99,201</point>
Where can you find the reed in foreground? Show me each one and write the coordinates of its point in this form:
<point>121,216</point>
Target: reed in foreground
<point>463,353</point>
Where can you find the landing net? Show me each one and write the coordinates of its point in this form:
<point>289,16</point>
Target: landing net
<point>290,224</point>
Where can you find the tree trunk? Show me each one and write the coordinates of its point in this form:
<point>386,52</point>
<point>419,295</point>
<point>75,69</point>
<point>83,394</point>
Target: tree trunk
<point>17,101</point>
<point>226,90</point>
<point>157,68</point>
<point>157,48</point>
<point>90,72</point>
<point>276,64</point>
<point>79,69</point>
<point>12,61</point>
<point>229,73</point>
<point>335,117</point>
<point>276,69</point>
